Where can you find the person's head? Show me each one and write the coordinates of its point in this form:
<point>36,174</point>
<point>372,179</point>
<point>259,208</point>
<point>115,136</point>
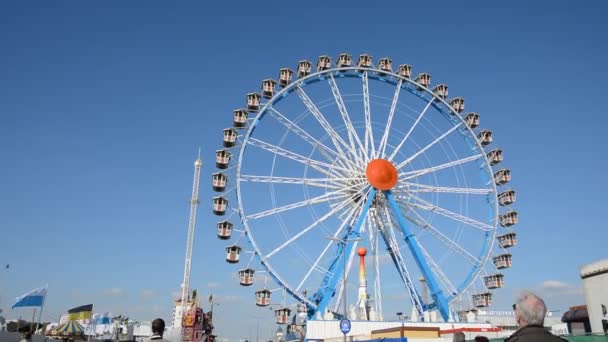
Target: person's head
<point>158,326</point>
<point>481,339</point>
<point>530,309</point>
<point>458,337</point>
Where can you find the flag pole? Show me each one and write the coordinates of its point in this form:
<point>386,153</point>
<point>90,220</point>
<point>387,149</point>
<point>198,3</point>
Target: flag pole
<point>42,305</point>
<point>33,320</point>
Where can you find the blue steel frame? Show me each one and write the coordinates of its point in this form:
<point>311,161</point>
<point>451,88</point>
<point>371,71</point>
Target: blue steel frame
<point>328,289</point>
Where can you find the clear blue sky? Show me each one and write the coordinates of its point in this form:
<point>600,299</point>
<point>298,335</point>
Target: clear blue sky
<point>103,106</point>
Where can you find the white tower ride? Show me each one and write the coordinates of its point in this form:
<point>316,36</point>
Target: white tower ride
<point>198,163</point>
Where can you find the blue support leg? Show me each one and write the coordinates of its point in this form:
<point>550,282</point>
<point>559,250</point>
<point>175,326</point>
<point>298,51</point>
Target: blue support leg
<point>328,293</point>
<point>436,292</point>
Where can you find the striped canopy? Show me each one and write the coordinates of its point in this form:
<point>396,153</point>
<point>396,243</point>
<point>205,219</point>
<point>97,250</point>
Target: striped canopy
<point>69,328</point>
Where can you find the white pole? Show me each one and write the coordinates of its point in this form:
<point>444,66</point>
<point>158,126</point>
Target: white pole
<point>42,305</point>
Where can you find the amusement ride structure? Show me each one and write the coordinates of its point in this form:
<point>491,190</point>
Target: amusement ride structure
<point>347,154</point>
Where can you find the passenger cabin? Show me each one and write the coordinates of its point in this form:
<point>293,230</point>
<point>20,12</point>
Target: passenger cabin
<point>219,181</point>
<point>494,156</point>
<point>385,64</point>
<point>224,230</point>
<point>239,118</point>
<point>253,102</point>
<point>502,261</point>
<point>233,253</point>
<point>508,240</point>
<point>323,63</point>
<point>268,87</point>
<point>282,315</point>
<point>506,197</point>
<point>344,60</point>
<point>405,70</point>
<point>364,61</point>
<point>262,297</point>
<point>304,68</point>
<point>424,80</point>
<point>457,104</point>
<point>502,177</point>
<point>482,300</point>
<point>508,219</point>
<point>472,120</point>
<point>222,159</point>
<point>485,137</point>
<point>285,75</point>
<point>494,281</point>
<point>219,205</point>
<point>441,90</point>
<point>246,276</point>
<point>230,135</point>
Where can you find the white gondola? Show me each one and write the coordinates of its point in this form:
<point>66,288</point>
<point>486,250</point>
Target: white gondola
<point>494,281</point>
<point>506,197</point>
<point>405,70</point>
<point>502,177</point>
<point>224,230</point>
<point>457,104</point>
<point>495,156</point>
<point>508,219</point>
<point>268,87</point>
<point>485,137</point>
<point>285,75</point>
<point>385,64</point>
<point>482,300</point>
<point>222,159</point>
<point>508,240</point>
<point>323,63</point>
<point>230,136</point>
<point>219,181</point>
<point>253,102</point>
<point>302,308</point>
<point>441,90</point>
<point>304,68</point>
<point>239,118</point>
<point>233,254</point>
<point>424,80</point>
<point>282,315</point>
<point>472,120</point>
<point>262,297</point>
<point>502,261</point>
<point>219,205</point>
<point>364,61</point>
<point>246,276</point>
<point>344,60</point>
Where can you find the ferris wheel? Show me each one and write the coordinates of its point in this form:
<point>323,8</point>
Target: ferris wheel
<point>354,155</point>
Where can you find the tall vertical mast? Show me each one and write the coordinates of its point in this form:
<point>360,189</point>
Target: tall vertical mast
<point>198,163</point>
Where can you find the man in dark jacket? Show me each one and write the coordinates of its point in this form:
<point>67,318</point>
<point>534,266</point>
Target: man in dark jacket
<point>530,312</point>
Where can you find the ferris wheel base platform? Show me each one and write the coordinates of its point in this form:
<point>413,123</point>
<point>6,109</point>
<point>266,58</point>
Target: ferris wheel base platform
<point>329,331</point>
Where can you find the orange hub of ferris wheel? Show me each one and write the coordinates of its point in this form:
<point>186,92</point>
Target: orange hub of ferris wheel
<point>381,174</point>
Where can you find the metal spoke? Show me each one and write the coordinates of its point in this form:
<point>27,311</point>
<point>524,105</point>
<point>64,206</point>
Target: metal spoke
<point>369,134</point>
<point>322,167</point>
<point>441,137</point>
<point>438,272</point>
<point>309,228</point>
<point>338,142</point>
<point>410,131</point>
<point>335,183</point>
<point>389,121</point>
<point>293,127</point>
<point>424,224</point>
<point>334,195</point>
<point>352,133</point>
<point>404,176</point>
<point>329,244</point>
<point>421,188</point>
<point>424,205</point>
